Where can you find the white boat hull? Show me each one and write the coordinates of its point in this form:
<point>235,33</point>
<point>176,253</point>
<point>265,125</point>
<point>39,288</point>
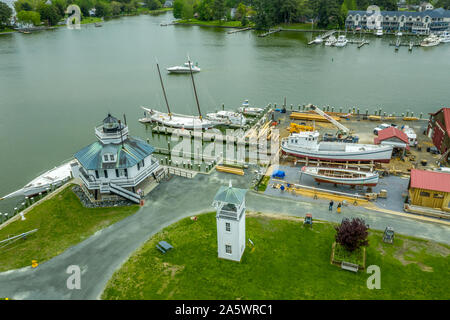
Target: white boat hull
<point>382,154</point>
<point>368,179</point>
<point>183,70</point>
<point>54,177</point>
<point>177,120</point>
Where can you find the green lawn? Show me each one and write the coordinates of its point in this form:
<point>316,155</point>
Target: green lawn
<point>289,261</point>
<point>91,20</point>
<point>62,222</point>
<point>216,23</point>
<point>263,185</point>
<point>7,30</point>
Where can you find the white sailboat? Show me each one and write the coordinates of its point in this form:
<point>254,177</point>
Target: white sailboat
<point>175,120</point>
<point>54,177</point>
<point>186,68</point>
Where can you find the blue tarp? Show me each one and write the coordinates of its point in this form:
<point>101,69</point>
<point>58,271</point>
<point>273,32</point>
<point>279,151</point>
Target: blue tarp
<point>278,174</point>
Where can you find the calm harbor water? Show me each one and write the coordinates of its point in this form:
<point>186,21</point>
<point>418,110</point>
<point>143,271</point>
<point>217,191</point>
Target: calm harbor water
<point>56,85</point>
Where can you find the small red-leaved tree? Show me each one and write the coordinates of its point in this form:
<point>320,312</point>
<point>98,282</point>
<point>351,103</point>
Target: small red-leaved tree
<point>352,234</point>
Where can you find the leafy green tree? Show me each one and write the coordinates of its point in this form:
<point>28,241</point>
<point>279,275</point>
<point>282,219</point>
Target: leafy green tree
<point>153,4</point>
<point>178,8</point>
<point>218,9</point>
<point>85,6</point>
<point>5,15</point>
<point>241,11</point>
<point>23,5</point>
<point>102,9</point>
<point>29,17</point>
<point>205,10</point>
<point>263,13</point>
<point>443,4</point>
<point>188,10</point>
<point>116,8</point>
<point>48,13</point>
<point>61,6</point>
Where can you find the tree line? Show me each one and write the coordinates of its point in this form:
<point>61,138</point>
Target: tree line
<point>267,13</point>
<point>36,12</point>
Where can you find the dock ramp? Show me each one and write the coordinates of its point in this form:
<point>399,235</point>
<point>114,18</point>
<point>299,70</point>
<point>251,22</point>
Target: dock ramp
<point>114,188</point>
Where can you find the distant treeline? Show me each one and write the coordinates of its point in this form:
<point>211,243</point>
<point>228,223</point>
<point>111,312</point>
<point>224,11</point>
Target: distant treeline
<point>267,13</point>
<point>36,12</point>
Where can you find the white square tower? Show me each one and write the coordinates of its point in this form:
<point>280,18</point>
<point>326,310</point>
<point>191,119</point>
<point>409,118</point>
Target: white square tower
<point>230,205</point>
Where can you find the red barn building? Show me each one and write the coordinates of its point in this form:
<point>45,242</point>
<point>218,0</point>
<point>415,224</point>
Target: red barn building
<point>439,130</point>
<point>394,137</point>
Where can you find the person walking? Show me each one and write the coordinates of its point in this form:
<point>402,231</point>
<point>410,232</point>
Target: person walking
<point>339,207</point>
<point>331,205</point>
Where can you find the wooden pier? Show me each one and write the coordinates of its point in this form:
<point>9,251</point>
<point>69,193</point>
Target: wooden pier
<point>239,30</point>
<point>327,34</point>
<point>269,32</point>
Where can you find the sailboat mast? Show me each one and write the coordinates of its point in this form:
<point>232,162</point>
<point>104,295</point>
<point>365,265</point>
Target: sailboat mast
<point>164,91</point>
<point>195,91</point>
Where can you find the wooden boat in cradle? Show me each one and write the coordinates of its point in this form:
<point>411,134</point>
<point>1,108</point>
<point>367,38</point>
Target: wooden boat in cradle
<point>341,176</point>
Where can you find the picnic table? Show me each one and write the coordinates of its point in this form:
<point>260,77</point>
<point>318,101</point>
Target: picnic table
<point>164,246</point>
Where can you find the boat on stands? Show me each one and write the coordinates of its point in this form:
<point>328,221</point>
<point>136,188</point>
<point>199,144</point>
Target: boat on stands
<point>379,32</point>
<point>227,118</point>
<point>307,145</point>
<point>184,68</point>
<point>341,176</point>
<point>430,41</point>
<point>250,111</point>
<point>44,182</point>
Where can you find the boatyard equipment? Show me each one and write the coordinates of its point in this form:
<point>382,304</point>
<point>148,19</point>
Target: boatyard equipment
<point>388,236</point>
<point>341,127</point>
<point>308,219</point>
<point>279,174</point>
<point>294,127</point>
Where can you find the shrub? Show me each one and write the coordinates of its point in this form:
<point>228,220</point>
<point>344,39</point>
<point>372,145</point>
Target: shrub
<point>352,234</point>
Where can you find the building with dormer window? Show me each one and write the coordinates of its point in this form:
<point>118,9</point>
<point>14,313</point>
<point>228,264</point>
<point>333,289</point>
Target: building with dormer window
<point>116,165</point>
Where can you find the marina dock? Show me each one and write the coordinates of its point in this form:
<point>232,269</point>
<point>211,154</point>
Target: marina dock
<point>269,33</point>
<point>239,30</point>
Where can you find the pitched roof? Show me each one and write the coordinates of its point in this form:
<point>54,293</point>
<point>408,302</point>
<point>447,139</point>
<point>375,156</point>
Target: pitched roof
<point>390,133</point>
<point>436,13</point>
<point>133,151</point>
<point>430,180</point>
<point>230,195</point>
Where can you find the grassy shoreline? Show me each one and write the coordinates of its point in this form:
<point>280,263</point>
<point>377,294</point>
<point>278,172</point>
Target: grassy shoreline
<point>62,222</point>
<point>289,261</point>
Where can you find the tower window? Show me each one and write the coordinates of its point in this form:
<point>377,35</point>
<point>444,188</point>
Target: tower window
<point>111,157</point>
<point>96,174</point>
<point>117,173</point>
<point>227,226</point>
<point>228,248</point>
<point>106,173</point>
<point>105,157</point>
<point>125,171</point>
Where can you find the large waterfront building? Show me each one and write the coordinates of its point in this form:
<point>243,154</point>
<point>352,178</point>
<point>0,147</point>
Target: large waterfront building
<point>116,165</point>
<point>424,22</point>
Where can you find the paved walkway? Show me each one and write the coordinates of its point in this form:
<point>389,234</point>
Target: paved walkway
<point>103,253</point>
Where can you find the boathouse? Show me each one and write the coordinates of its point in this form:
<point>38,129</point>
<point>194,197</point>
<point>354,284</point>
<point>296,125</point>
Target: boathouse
<point>117,165</point>
<point>439,131</point>
<point>430,189</point>
<point>394,137</point>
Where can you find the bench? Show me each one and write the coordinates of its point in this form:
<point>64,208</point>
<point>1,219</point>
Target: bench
<point>164,246</point>
<point>349,266</point>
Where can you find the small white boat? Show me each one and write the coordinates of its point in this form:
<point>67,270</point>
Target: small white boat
<point>306,145</point>
<point>430,41</point>
<point>175,120</point>
<point>227,118</point>
<point>341,176</point>
<point>399,34</point>
<point>249,111</point>
<point>331,40</point>
<point>341,41</point>
<point>379,32</point>
<point>184,68</point>
<point>445,37</point>
<point>318,40</point>
<point>54,177</point>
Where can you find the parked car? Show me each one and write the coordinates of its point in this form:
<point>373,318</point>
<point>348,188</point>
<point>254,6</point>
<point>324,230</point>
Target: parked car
<point>381,127</point>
